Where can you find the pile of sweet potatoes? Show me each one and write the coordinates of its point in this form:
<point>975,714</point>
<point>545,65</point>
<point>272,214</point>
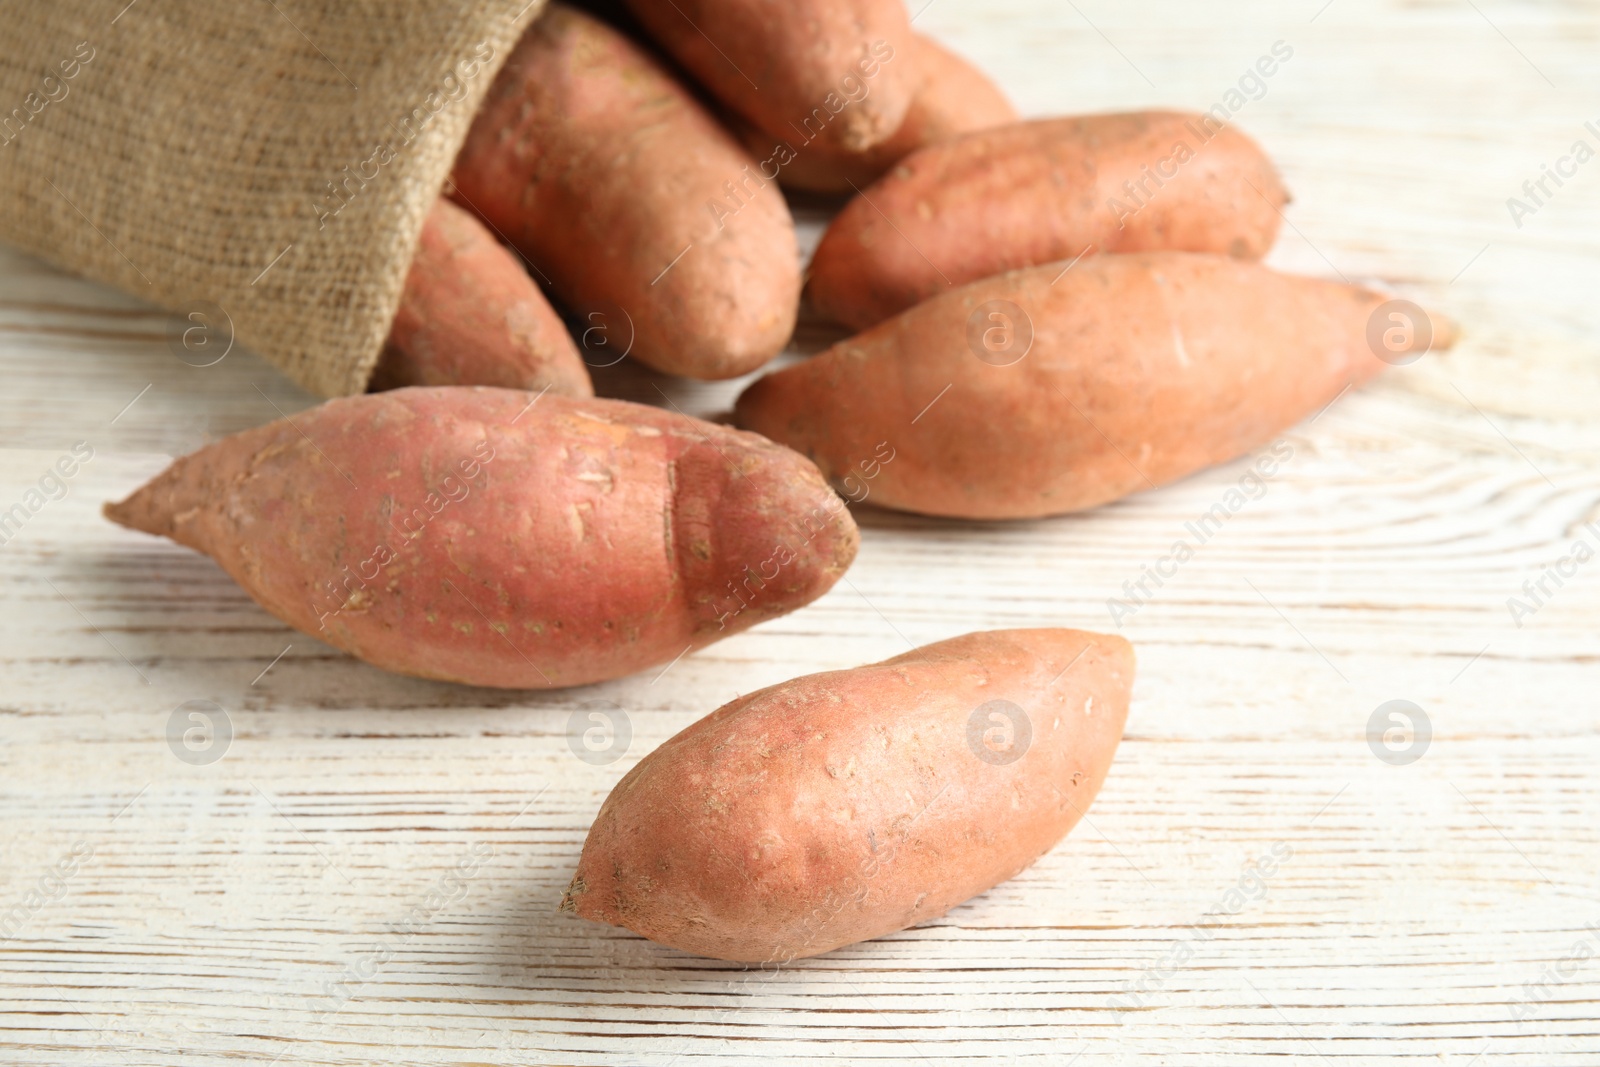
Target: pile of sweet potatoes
<point>1053,314</point>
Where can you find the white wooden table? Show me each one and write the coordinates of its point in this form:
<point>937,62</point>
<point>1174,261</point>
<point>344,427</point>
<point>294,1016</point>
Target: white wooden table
<point>367,871</point>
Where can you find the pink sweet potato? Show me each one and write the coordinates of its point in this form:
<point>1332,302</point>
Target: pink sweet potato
<point>844,806</point>
<point>1049,390</point>
<point>620,186</point>
<point>837,71</point>
<point>484,536</point>
<point>1016,196</point>
<point>956,98</point>
<point>470,315</point>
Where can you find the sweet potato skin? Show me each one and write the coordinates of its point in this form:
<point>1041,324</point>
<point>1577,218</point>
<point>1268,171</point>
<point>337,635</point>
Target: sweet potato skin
<point>1036,192</point>
<point>627,194</point>
<point>1141,370</point>
<point>784,65</point>
<point>479,535</point>
<point>470,315</point>
<point>956,98</point>
<point>843,806</point>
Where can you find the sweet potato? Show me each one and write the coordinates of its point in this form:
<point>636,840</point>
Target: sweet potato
<point>956,97</point>
<point>632,199</point>
<point>834,71</point>
<point>1048,390</point>
<point>485,536</point>
<point>843,806</point>
<point>1036,192</point>
<point>470,315</point>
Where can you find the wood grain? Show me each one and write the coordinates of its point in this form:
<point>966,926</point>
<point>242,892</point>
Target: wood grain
<point>369,873</point>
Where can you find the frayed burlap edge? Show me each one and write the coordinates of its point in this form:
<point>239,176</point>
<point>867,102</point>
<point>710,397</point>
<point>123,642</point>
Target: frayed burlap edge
<point>267,164</point>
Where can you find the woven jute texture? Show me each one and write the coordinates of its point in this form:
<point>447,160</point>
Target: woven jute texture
<point>275,158</point>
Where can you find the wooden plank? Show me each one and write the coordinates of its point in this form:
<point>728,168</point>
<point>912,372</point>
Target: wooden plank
<point>369,871</point>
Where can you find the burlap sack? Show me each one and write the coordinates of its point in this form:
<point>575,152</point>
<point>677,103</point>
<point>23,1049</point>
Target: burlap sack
<point>274,158</point>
